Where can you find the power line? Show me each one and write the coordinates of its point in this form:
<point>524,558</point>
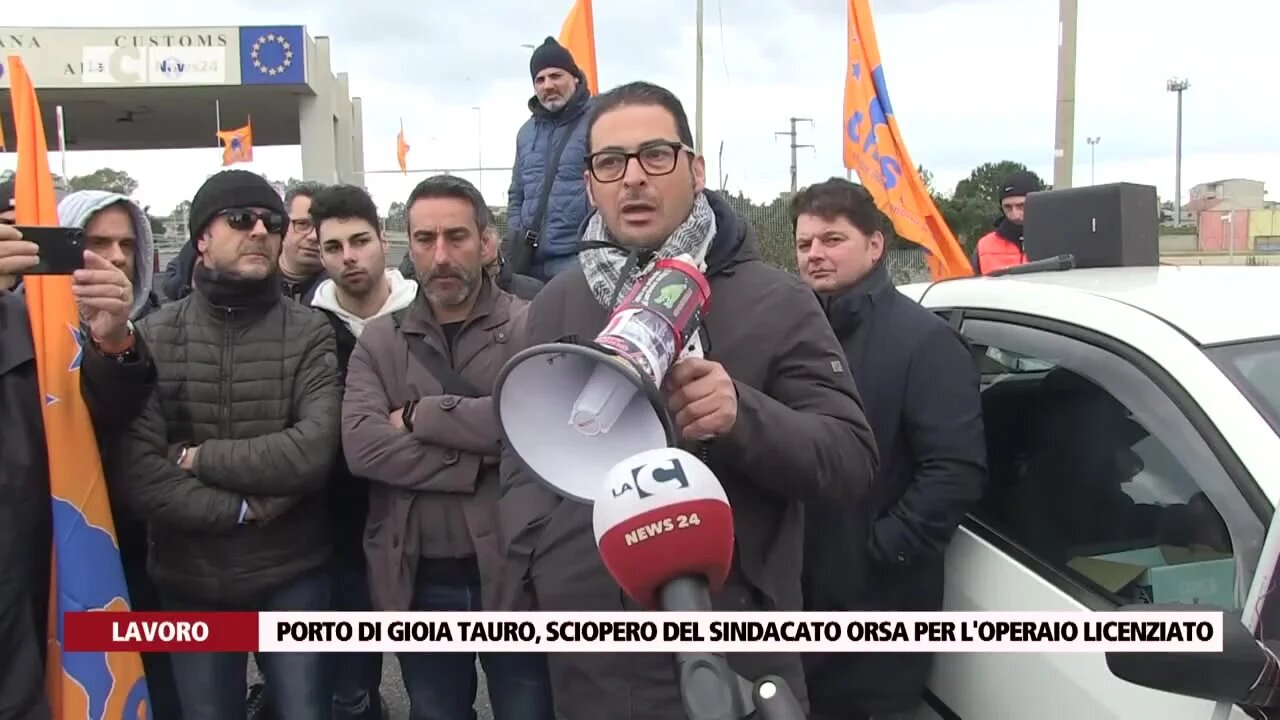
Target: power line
<point>794,146</point>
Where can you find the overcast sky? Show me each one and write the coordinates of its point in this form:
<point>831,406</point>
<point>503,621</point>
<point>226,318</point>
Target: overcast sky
<point>971,81</point>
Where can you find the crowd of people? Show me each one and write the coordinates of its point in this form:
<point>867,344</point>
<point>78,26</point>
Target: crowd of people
<point>303,425</point>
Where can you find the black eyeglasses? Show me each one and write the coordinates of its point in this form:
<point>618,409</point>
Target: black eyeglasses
<point>655,158</point>
<point>246,219</point>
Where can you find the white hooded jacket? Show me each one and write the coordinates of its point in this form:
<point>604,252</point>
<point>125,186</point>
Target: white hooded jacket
<point>403,291</point>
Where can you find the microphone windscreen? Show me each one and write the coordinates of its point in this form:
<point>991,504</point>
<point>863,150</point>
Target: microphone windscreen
<point>661,515</point>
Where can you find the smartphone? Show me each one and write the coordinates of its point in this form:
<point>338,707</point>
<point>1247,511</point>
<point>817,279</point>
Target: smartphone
<point>61,249</point>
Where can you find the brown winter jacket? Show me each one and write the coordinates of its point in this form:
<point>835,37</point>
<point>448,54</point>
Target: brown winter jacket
<point>800,434</point>
<point>454,446</point>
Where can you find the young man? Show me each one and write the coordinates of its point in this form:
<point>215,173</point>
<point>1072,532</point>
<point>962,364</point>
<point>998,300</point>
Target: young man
<point>919,385</point>
<point>230,460</point>
<point>418,422</point>
<point>771,406</point>
<point>359,289</point>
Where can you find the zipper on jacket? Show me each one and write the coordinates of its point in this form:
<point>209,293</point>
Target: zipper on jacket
<point>226,372</point>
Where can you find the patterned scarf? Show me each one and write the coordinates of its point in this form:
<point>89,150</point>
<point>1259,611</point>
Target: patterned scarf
<point>603,265</point>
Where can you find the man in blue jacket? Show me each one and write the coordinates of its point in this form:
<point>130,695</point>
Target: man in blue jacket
<point>547,200</point>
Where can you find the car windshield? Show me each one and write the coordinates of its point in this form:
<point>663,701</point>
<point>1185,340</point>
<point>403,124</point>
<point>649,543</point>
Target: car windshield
<point>1255,368</point>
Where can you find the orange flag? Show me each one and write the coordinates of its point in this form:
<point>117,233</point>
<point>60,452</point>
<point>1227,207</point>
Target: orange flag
<point>874,149</point>
<point>237,144</point>
<point>87,575</point>
<point>402,150</point>
<point>578,36</point>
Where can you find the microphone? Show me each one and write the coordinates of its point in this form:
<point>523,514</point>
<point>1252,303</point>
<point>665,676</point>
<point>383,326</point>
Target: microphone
<point>664,529</point>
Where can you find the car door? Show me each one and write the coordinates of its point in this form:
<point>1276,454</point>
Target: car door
<point>1102,491</point>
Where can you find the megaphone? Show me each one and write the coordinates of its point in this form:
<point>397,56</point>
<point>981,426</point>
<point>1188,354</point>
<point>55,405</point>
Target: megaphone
<point>573,409</point>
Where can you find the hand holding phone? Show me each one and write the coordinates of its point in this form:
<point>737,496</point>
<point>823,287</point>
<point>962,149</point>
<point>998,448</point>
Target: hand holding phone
<point>17,256</point>
<point>61,249</point>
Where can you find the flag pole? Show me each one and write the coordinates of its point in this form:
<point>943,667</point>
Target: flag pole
<point>62,143</point>
<point>217,118</point>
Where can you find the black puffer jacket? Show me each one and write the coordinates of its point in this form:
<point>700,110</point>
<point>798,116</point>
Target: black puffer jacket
<point>251,379</point>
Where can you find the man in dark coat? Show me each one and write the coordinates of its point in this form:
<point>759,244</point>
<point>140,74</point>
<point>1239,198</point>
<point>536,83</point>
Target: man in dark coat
<point>116,377</point>
<point>920,386</point>
<point>230,459</point>
<point>771,406</point>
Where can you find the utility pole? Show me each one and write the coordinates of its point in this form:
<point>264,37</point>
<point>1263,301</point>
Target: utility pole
<point>1064,144</point>
<point>1093,145</point>
<point>697,110</point>
<point>792,134</point>
<point>1177,86</point>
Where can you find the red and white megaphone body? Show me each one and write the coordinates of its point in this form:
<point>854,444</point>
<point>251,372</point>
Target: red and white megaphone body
<point>572,410</point>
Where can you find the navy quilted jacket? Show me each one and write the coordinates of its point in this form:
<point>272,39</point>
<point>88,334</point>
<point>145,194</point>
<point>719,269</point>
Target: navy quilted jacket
<point>567,203</point>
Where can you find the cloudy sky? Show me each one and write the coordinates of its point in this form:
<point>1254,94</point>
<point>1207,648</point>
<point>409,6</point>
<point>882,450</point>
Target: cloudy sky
<point>971,81</point>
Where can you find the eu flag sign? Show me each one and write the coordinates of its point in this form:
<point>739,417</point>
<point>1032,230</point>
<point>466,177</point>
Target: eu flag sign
<point>273,55</point>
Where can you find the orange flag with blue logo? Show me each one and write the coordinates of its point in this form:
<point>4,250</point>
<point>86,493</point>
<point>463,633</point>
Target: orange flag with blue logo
<point>874,149</point>
<point>578,36</point>
<point>87,574</point>
<point>237,144</point>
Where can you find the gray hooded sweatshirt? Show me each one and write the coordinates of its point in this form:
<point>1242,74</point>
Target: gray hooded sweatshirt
<point>77,208</point>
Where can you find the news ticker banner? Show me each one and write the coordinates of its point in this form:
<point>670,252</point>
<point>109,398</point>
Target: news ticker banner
<point>664,632</point>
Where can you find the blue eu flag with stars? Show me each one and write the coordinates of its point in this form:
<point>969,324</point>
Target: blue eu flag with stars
<point>273,55</point>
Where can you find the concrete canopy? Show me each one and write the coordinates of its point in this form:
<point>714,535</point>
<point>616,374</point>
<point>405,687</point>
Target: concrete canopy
<point>170,88</point>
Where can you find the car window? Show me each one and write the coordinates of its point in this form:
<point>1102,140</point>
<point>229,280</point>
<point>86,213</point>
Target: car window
<point>1097,474</point>
<point>1255,368</point>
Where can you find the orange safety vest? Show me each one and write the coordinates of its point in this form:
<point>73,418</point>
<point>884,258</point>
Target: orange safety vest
<point>996,253</point>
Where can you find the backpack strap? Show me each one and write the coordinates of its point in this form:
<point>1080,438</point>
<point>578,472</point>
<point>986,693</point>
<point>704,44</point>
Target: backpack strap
<point>435,363</point>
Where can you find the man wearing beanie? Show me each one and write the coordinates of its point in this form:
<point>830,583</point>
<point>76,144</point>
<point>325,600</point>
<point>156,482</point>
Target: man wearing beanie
<point>1002,247</point>
<point>547,200</point>
<point>228,463</point>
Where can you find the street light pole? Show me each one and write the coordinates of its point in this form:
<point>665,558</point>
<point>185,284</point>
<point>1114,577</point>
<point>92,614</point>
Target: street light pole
<point>697,136</point>
<point>479,152</point>
<point>1093,144</point>
<point>1064,142</point>
<point>1177,86</point>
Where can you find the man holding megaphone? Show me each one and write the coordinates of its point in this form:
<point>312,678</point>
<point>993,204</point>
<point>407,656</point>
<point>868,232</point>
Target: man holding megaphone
<point>671,332</point>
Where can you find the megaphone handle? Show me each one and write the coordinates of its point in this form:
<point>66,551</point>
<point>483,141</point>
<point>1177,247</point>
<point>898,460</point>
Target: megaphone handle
<point>710,689</point>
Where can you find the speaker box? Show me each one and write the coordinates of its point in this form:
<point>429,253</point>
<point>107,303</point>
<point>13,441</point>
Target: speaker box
<point>1101,225</point>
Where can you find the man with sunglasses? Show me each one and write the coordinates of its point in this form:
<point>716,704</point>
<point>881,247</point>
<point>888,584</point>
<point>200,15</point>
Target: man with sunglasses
<point>771,406</point>
<point>230,460</point>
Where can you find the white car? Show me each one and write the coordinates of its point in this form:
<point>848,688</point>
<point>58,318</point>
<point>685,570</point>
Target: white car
<point>1133,431</point>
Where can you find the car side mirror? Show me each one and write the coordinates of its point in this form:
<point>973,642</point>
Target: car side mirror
<point>1227,676</point>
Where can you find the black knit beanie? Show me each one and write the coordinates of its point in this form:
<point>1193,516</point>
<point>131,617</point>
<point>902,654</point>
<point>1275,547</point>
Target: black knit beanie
<point>1019,184</point>
<point>552,54</point>
<point>231,189</point>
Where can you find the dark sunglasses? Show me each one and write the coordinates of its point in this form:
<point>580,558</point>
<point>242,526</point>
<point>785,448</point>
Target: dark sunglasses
<point>246,219</point>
